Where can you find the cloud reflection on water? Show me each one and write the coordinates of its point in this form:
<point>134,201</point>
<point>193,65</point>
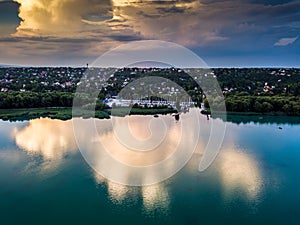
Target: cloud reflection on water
<point>154,197</point>
<point>118,160</point>
<point>138,125</point>
<point>239,171</point>
<point>53,139</point>
<point>49,138</point>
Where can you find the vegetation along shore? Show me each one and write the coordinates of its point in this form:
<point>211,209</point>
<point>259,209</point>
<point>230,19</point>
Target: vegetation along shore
<point>49,92</point>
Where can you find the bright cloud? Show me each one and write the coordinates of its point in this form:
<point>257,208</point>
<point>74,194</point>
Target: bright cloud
<point>58,17</point>
<point>286,41</point>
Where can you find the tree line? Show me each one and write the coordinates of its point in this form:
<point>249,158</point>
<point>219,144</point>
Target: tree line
<point>287,105</point>
<point>16,99</point>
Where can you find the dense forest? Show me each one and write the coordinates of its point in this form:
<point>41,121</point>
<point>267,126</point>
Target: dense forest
<point>261,90</point>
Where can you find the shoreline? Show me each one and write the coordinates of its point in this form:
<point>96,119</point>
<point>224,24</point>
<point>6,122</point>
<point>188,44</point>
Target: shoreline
<point>66,113</point>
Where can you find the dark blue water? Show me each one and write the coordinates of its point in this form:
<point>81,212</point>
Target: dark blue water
<point>45,180</point>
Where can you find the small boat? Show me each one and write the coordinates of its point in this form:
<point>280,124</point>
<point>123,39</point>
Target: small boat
<point>155,116</point>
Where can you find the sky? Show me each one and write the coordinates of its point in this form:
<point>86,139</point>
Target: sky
<point>224,33</point>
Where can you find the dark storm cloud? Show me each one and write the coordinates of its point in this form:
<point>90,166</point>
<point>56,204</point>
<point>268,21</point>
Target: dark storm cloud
<point>151,16</point>
<point>261,2</point>
<point>271,2</point>
<point>172,9</point>
<point>9,39</point>
<point>125,38</point>
<point>287,9</point>
<point>9,19</point>
<point>9,12</point>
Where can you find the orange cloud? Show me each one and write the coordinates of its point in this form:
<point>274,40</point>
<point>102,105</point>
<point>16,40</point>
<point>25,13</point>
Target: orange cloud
<point>57,17</point>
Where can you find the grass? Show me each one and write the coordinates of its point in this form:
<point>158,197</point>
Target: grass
<point>67,113</point>
<point>53,113</point>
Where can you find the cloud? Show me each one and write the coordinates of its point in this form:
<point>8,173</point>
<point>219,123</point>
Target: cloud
<point>9,20</point>
<point>178,22</point>
<point>125,38</point>
<point>165,20</point>
<point>286,41</point>
<point>74,27</point>
<point>191,23</point>
<point>58,17</point>
<point>202,23</point>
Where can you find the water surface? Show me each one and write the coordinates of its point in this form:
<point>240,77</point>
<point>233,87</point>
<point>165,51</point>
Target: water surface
<point>45,180</point>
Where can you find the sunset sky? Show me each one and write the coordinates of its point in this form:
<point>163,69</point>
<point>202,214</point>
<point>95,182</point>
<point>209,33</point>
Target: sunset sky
<point>224,33</point>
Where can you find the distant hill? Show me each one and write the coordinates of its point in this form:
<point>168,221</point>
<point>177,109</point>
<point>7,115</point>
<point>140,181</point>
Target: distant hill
<point>150,64</point>
<point>6,66</point>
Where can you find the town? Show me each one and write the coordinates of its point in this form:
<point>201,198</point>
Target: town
<point>65,79</point>
<point>245,89</point>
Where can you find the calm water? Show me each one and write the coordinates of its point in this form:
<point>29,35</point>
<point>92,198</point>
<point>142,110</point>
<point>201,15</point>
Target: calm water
<point>45,180</point>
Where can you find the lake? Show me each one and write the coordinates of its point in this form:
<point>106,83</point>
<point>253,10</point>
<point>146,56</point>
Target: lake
<point>44,178</point>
